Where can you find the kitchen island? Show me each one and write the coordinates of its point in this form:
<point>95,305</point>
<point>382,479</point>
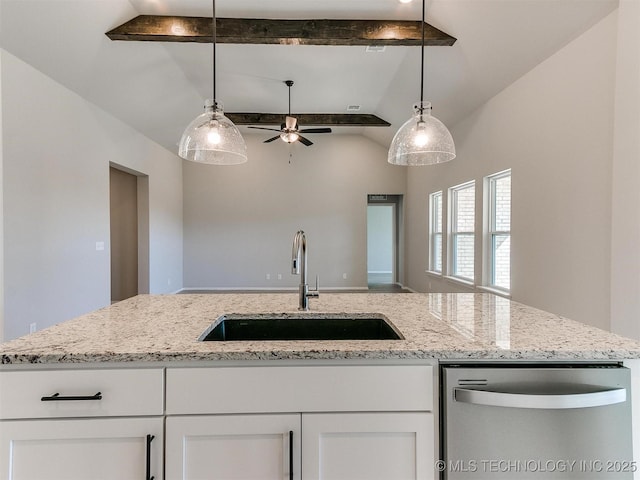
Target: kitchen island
<point>165,328</point>
<point>132,381</point>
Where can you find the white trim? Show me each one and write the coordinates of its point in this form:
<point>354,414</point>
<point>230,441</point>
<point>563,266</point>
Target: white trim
<point>263,289</point>
<point>460,280</point>
<point>404,287</point>
<point>236,289</point>
<point>495,291</point>
<point>488,234</point>
<point>452,235</point>
<point>434,273</point>
<point>432,232</point>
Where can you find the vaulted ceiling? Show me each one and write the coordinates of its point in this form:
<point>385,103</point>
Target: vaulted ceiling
<point>158,88</point>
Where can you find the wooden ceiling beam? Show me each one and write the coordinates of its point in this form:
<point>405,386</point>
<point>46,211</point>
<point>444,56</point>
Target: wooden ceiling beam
<point>158,28</point>
<point>309,119</point>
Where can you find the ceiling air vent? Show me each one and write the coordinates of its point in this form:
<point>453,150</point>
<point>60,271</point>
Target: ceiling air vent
<point>375,48</point>
<point>378,198</point>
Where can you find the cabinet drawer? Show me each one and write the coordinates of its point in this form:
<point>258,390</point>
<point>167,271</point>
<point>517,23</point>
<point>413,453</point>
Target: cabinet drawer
<point>299,389</point>
<point>51,394</point>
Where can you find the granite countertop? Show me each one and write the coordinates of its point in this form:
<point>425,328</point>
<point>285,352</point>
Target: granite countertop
<point>165,328</point>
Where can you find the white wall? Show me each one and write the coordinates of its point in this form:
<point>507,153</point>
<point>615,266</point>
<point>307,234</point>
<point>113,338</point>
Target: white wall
<point>56,153</point>
<point>239,221</point>
<point>1,219</point>
<point>554,129</point>
<point>625,240</point>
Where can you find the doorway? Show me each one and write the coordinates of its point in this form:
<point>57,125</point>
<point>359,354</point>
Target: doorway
<point>384,220</point>
<point>128,205</point>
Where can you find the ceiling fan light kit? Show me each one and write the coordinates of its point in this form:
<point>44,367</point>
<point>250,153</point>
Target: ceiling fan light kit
<point>423,139</point>
<point>289,131</point>
<point>212,138</point>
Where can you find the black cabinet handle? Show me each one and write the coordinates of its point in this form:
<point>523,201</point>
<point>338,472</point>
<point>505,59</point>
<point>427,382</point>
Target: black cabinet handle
<point>290,454</point>
<point>149,440</point>
<point>57,398</point>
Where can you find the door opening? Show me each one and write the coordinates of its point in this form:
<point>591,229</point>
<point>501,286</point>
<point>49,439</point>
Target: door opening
<point>128,198</point>
<point>383,239</point>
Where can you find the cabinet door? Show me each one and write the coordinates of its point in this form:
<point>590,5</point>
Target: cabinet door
<point>234,447</point>
<point>368,446</point>
<point>96,449</point>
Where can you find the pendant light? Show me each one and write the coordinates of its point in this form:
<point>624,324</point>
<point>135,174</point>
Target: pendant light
<point>212,138</point>
<point>423,139</point>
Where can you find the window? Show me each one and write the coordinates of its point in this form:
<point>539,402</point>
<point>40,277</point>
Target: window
<point>435,232</point>
<point>461,240</point>
<point>499,230</point>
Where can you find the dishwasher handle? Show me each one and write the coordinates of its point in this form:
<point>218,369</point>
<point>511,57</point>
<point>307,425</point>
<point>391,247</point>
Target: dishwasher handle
<point>548,402</point>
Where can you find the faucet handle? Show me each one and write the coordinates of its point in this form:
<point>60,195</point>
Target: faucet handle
<point>316,291</point>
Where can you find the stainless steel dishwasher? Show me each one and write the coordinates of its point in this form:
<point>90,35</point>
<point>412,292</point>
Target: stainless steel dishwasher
<point>536,422</point>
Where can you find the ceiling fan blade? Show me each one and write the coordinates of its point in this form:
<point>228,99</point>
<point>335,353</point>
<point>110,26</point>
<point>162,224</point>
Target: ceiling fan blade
<point>291,122</point>
<point>305,141</point>
<point>315,130</point>
<point>265,128</point>
<point>272,139</point>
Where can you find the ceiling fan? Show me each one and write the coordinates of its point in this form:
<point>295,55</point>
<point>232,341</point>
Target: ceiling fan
<point>289,131</point>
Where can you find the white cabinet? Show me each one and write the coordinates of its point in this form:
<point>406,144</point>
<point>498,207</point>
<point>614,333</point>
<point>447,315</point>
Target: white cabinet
<point>81,449</point>
<point>301,388</point>
<point>327,446</point>
<point>239,447</point>
<point>352,423</point>
<point>81,424</point>
<point>99,393</point>
<point>368,446</point>
<point>286,421</point>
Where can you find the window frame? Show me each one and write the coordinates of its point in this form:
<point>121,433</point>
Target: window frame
<point>434,232</point>
<point>491,233</point>
<point>454,234</point>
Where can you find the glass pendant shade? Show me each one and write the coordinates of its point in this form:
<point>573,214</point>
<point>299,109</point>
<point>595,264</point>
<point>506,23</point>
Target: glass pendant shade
<point>213,139</point>
<point>422,140</point>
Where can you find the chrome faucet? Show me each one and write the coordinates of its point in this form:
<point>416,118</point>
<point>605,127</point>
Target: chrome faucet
<point>299,267</point>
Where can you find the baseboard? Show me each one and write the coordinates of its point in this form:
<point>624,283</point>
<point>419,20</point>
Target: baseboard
<point>263,289</point>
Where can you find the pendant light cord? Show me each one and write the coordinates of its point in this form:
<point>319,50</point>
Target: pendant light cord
<point>213,24</point>
<point>421,59</point>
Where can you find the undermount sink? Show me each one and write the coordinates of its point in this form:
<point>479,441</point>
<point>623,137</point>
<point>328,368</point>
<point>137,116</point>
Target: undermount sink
<point>314,326</point>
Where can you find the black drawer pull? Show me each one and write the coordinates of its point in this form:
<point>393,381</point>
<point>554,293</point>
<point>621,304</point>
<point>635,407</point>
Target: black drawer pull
<point>57,398</point>
<point>148,476</point>
<point>290,454</point>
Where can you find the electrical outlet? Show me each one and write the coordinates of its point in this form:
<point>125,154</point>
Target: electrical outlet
<point>279,276</point>
<point>344,276</point>
<point>168,281</point>
<point>33,327</point>
<point>268,276</point>
<point>99,246</point>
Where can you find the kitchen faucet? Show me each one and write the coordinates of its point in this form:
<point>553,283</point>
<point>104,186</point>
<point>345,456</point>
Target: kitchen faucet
<point>299,267</point>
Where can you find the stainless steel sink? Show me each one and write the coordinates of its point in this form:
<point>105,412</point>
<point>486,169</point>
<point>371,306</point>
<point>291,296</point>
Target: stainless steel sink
<point>309,326</point>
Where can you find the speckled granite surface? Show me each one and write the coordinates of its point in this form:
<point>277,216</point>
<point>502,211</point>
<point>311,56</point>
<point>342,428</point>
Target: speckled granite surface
<point>165,328</point>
